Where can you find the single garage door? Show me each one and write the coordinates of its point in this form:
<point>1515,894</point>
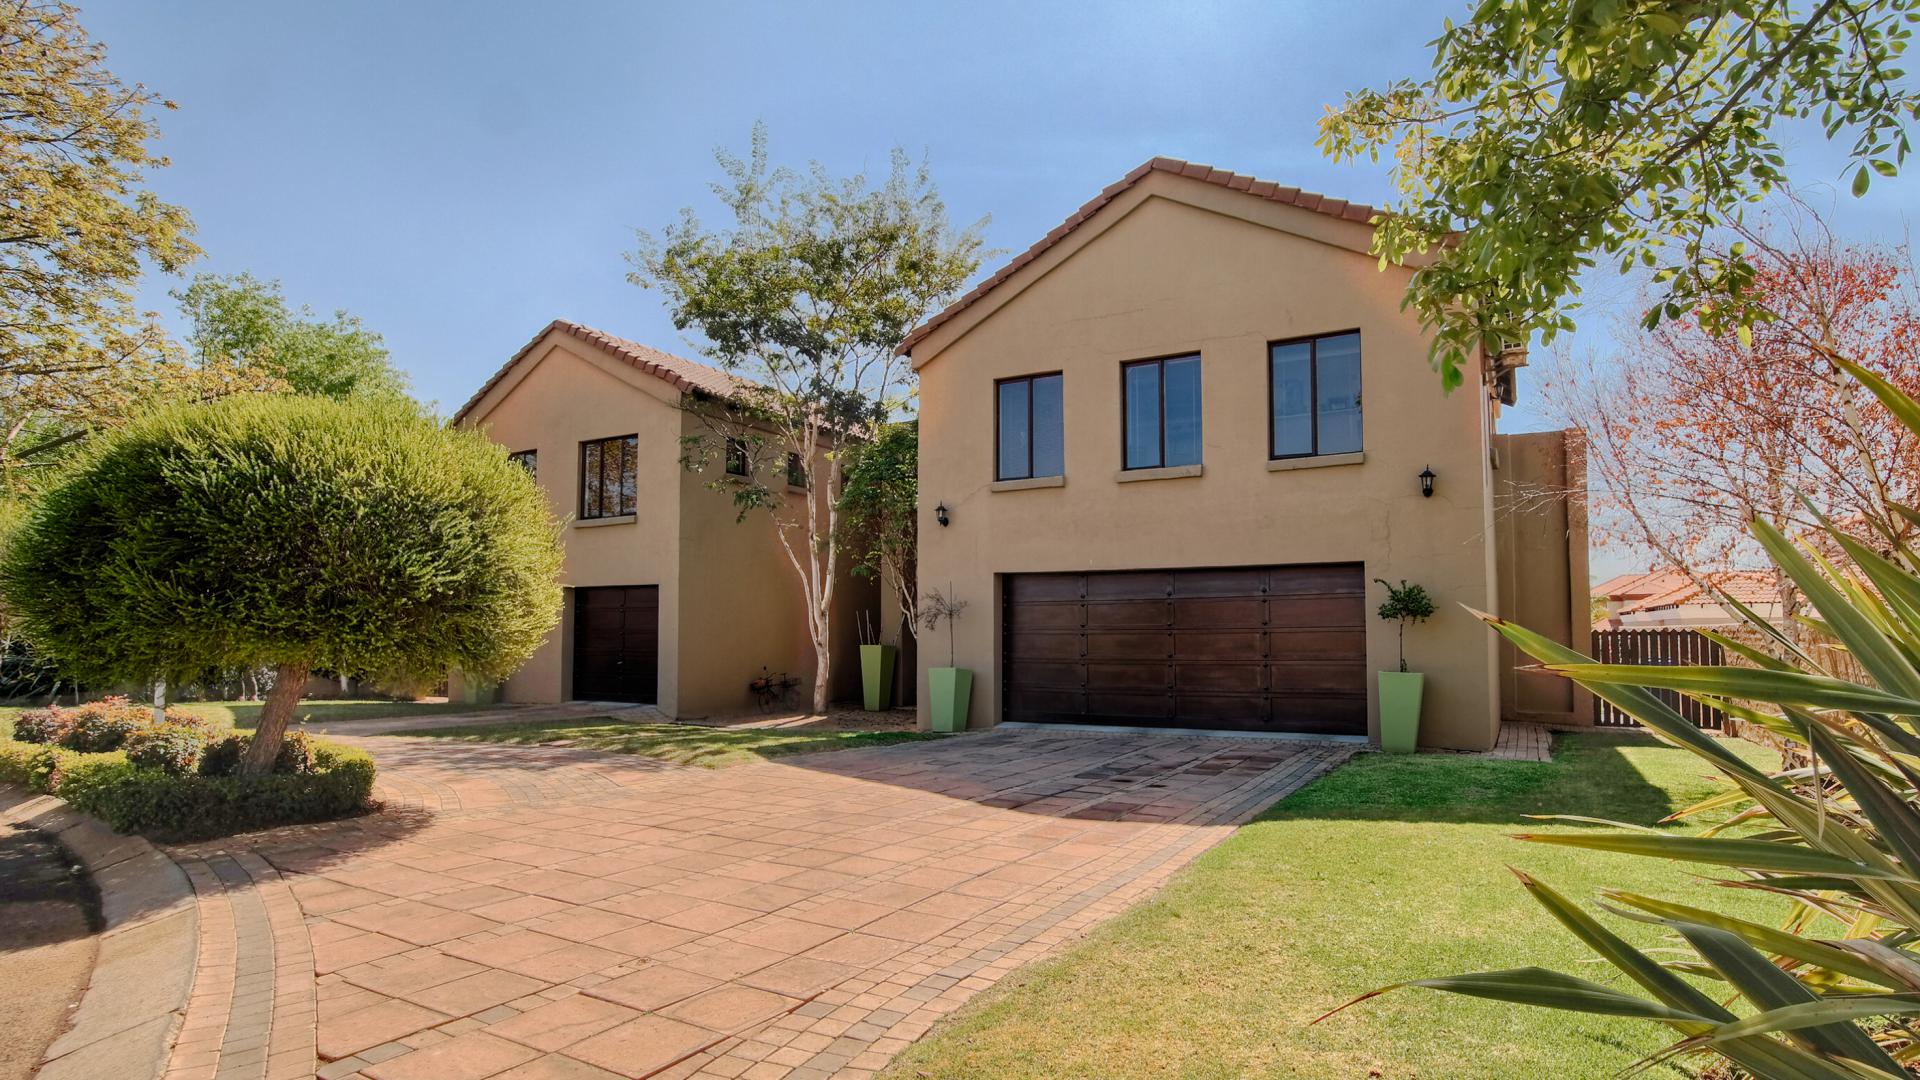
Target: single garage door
<point>616,644</point>
<point>1270,648</point>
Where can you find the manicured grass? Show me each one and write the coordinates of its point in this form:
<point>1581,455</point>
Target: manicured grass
<point>1389,869</point>
<point>685,744</point>
<point>241,714</point>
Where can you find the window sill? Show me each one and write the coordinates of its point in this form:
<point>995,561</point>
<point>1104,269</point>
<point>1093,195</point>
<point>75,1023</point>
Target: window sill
<point>1029,484</point>
<point>1170,472</point>
<point>795,489</point>
<point>594,523</point>
<point>1324,461</point>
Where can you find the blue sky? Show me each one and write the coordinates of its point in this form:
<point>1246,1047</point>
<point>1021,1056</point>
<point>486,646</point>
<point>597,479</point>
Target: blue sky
<point>459,174</point>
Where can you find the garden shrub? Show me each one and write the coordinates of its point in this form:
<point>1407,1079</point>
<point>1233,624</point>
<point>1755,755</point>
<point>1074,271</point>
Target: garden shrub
<point>170,747</point>
<point>157,803</point>
<point>183,718</point>
<point>147,787</point>
<point>222,756</point>
<point>43,726</point>
<point>101,726</point>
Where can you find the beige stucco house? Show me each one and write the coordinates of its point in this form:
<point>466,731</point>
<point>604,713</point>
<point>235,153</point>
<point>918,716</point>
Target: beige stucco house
<point>1174,444</point>
<point>669,600</point>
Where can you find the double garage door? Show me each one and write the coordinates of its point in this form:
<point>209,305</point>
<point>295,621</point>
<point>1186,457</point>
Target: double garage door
<point>1271,648</point>
<point>616,644</point>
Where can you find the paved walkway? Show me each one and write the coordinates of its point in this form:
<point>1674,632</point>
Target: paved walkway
<point>539,913</point>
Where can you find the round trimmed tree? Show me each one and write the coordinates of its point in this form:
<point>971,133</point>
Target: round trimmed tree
<point>295,533</point>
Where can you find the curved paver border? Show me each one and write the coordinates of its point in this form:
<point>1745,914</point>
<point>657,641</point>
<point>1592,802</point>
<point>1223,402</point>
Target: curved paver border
<point>134,1002</point>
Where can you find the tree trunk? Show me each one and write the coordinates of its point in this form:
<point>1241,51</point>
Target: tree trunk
<point>288,681</point>
<point>821,663</point>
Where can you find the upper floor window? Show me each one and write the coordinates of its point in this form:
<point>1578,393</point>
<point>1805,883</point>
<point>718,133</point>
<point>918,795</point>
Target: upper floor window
<point>1161,412</point>
<point>736,457</point>
<point>1031,442</point>
<point>1316,396</point>
<point>796,472</point>
<point>528,460</point>
<point>606,477</point>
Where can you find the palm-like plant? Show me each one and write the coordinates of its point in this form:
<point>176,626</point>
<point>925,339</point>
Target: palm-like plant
<point>1828,994</point>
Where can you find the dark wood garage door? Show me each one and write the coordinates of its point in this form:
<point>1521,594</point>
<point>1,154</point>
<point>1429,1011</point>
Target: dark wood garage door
<point>1273,648</point>
<point>616,644</point>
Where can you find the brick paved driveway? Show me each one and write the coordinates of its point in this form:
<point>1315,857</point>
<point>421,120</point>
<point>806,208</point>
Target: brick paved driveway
<point>534,913</point>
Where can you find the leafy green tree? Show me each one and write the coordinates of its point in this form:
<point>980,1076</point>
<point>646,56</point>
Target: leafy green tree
<point>290,532</point>
<point>1554,134</point>
<point>880,507</point>
<point>76,224</point>
<point>804,298</point>
<point>244,322</point>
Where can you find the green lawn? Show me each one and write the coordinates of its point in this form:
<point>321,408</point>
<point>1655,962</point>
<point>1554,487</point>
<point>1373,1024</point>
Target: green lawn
<point>1388,869</point>
<point>241,714</point>
<point>682,743</point>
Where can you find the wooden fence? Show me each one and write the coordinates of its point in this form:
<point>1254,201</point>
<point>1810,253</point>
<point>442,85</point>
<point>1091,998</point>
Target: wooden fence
<point>1663,646</point>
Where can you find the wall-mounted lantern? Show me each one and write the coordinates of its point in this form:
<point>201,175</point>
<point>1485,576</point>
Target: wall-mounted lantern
<point>1426,485</point>
<point>940,514</point>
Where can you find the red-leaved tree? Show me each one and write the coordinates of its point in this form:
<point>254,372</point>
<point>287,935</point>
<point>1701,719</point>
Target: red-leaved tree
<point>1692,433</point>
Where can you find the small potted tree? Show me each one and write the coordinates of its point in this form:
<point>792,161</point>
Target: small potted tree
<point>1400,691</point>
<point>950,687</point>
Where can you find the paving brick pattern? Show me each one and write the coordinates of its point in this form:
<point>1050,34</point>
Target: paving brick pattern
<point>531,913</point>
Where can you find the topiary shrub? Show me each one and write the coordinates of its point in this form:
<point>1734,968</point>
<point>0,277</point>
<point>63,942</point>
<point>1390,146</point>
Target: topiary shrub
<point>291,532</point>
<point>101,726</point>
<point>172,748</point>
<point>44,726</point>
<point>298,756</point>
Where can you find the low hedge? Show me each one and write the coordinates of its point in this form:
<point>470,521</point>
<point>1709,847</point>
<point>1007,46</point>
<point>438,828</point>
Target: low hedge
<point>171,806</point>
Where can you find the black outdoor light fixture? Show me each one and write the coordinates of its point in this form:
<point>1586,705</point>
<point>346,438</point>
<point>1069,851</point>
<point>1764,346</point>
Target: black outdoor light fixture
<point>940,514</point>
<point>1426,485</point>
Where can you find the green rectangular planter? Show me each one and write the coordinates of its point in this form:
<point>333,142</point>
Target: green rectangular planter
<point>1400,710</point>
<point>876,675</point>
<point>950,690</point>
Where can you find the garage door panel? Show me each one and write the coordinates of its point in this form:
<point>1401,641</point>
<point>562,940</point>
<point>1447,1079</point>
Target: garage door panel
<point>1124,614</point>
<point>1220,678</point>
<point>1045,617</point>
<point>1320,675</point>
<point>1041,674</point>
<point>1279,648</point>
<point>1318,612</point>
<point>1247,611</point>
<point>1130,585</point>
<point>1316,644</point>
<point>1340,580</point>
<point>1113,707</point>
<point>1144,676</point>
<point>1250,645</point>
<point>1129,645</point>
<point>1191,583</point>
<point>1035,588</point>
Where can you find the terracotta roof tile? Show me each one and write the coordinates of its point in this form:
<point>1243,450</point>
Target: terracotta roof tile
<point>685,374</point>
<point>1265,189</point>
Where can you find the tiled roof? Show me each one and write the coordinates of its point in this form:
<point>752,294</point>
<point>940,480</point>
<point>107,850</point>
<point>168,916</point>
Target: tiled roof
<point>1265,189</point>
<point>1667,588</point>
<point>682,373</point>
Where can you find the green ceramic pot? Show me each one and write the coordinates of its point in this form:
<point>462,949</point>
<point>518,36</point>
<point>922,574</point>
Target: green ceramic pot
<point>951,691</point>
<point>1400,710</point>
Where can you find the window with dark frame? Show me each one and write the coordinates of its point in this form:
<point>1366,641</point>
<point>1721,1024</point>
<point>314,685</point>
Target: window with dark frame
<point>1314,400</point>
<point>1160,412</point>
<point>1030,441</point>
<point>606,477</point>
<point>796,472</point>
<point>528,460</point>
<point>736,457</point>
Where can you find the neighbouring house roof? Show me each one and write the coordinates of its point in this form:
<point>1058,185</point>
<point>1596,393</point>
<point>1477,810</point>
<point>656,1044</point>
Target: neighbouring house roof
<point>687,375</point>
<point>1360,213</point>
<point>1660,589</point>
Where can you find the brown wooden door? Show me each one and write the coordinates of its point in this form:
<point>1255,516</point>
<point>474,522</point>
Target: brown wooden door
<point>616,644</point>
<point>1273,648</point>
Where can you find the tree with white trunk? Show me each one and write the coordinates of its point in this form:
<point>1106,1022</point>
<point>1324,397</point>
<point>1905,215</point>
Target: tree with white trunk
<point>804,298</point>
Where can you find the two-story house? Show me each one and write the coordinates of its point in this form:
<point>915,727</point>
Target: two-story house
<point>1166,451</point>
<point>669,600</point>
